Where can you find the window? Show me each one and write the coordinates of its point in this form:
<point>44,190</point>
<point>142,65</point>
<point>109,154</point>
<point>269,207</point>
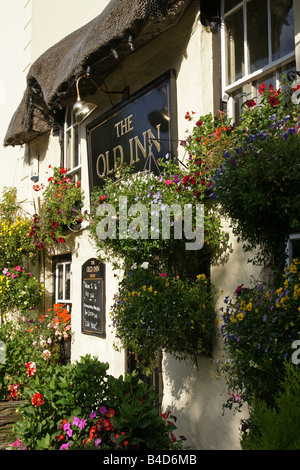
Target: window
<point>258,45</point>
<point>72,145</point>
<point>63,281</point>
<point>293,247</point>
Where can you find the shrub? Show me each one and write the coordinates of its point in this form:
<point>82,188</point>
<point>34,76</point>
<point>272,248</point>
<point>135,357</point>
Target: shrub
<point>15,244</point>
<point>79,406</point>
<point>19,290</point>
<point>278,427</point>
<point>31,344</point>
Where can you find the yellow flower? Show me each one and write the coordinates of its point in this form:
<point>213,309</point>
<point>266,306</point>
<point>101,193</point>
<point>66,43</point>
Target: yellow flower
<point>144,287</point>
<point>150,289</point>
<point>293,268</point>
<point>240,316</point>
<point>232,319</point>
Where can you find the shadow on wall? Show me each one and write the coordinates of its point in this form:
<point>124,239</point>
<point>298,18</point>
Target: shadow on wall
<point>195,397</point>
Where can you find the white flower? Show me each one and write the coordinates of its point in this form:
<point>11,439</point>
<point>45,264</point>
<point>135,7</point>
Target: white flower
<point>46,354</point>
<point>145,265</point>
<point>134,266</point>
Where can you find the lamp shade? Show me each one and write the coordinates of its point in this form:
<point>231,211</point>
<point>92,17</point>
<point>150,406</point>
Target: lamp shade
<point>82,110</point>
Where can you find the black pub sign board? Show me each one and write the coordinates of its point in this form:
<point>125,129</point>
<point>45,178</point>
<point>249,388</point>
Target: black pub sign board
<point>138,131</point>
<point>93,298</point>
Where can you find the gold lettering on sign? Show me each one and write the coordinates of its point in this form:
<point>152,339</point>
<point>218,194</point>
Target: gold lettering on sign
<point>138,146</point>
<point>101,175</point>
<point>124,126</point>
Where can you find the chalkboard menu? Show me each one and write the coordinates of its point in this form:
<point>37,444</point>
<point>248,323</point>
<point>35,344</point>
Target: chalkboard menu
<point>93,298</point>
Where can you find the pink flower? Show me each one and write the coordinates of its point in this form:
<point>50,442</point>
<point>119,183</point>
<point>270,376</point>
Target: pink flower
<point>163,275</point>
<point>168,182</point>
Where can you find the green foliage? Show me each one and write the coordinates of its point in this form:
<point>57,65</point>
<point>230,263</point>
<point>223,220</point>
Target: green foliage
<point>155,311</point>
<point>15,244</point>
<point>60,209</point>
<point>257,183</point>
<point>260,326</point>
<point>19,290</point>
<point>65,390</point>
<point>278,427</point>
<point>79,406</point>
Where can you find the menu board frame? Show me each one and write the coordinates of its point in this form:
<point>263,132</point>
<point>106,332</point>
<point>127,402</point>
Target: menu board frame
<point>93,298</point>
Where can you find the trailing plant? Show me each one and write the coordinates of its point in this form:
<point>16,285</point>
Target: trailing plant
<point>259,329</point>
<point>15,245</point>
<point>19,290</point>
<point>61,209</point>
<point>145,202</point>
<point>153,311</point>
<point>31,343</point>
<point>81,407</point>
<point>257,183</point>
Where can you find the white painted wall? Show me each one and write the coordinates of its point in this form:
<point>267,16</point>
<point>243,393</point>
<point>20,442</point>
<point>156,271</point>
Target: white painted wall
<point>15,37</point>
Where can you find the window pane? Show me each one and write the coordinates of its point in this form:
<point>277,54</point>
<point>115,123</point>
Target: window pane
<point>68,156</point>
<point>75,149</point>
<point>282,27</point>
<point>68,282</point>
<point>238,99</point>
<point>234,46</point>
<point>257,34</point>
<point>60,275</point>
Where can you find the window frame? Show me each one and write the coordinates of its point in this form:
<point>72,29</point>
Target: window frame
<point>69,145</point>
<point>248,78</point>
<point>57,262</point>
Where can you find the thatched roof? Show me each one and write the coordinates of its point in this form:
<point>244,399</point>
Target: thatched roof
<point>51,79</point>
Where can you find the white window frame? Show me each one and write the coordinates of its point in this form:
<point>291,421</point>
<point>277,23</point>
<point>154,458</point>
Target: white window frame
<point>289,247</point>
<point>72,128</point>
<point>248,77</point>
<point>63,300</point>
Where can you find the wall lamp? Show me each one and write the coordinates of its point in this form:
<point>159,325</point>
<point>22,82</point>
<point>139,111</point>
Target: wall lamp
<point>82,109</point>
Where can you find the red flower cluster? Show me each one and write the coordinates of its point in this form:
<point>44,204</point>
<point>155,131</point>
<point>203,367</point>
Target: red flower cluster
<point>37,399</point>
<point>14,389</point>
<point>31,368</point>
<point>188,116</point>
<point>273,94</point>
<point>250,103</point>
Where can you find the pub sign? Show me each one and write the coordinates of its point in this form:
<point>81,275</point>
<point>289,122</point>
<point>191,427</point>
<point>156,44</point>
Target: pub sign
<point>93,298</point>
<point>138,131</point>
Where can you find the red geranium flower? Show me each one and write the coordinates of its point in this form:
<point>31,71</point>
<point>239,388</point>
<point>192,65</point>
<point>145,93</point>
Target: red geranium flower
<point>250,103</point>
<point>111,412</point>
<point>262,88</point>
<point>37,399</point>
<point>273,101</point>
<point>31,368</point>
<point>107,424</point>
